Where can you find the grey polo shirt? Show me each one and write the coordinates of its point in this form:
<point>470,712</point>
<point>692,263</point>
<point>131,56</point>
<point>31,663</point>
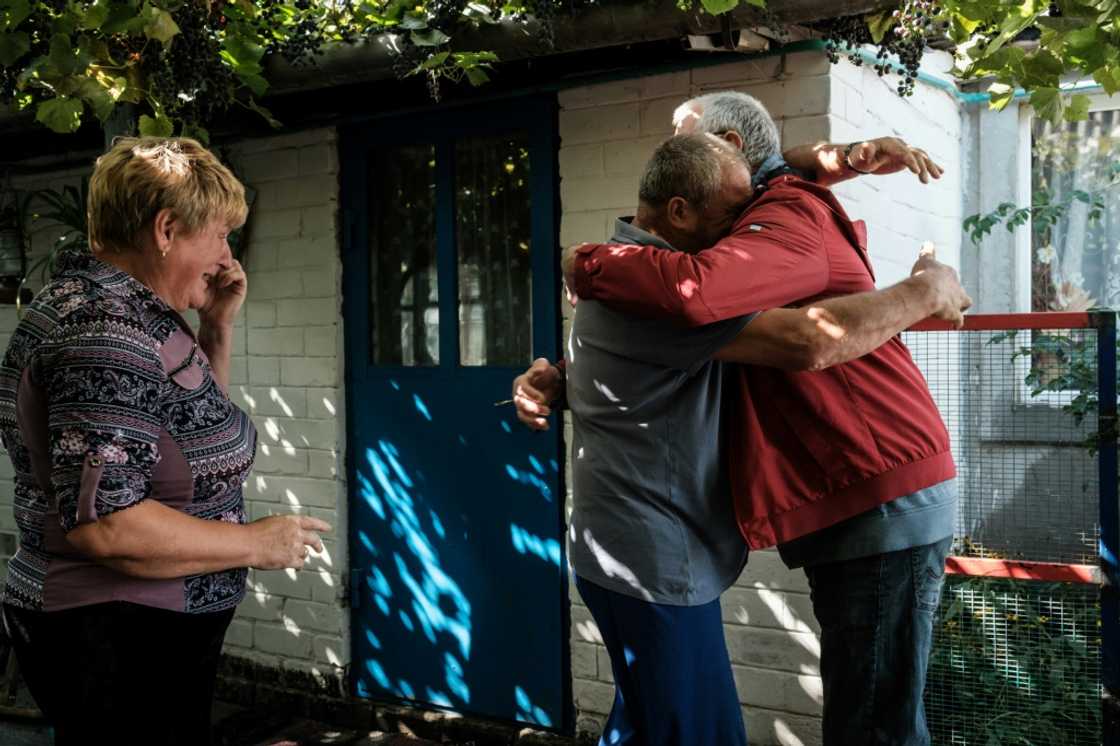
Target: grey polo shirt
<point>652,516</point>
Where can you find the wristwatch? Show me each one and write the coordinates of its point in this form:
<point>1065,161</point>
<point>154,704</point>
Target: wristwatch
<point>848,157</point>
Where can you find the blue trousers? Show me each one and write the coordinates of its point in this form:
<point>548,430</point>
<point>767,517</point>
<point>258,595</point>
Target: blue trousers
<point>672,675</point>
<point>876,615</point>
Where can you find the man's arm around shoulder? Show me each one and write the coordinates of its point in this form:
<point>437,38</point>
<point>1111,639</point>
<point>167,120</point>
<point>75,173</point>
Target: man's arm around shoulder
<point>837,330</point>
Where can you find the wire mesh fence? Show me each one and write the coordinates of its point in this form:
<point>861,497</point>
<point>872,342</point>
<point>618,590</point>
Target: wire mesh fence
<point>1020,661</point>
<point>1021,408</point>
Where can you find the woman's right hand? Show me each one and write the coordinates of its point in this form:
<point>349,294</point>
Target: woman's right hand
<point>281,542</point>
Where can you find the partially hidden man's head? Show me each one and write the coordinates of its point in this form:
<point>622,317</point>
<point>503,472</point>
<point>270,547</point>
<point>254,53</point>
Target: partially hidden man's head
<point>736,117</point>
<point>693,188</point>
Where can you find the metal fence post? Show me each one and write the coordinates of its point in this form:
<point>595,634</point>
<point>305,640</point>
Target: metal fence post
<point>1105,322</point>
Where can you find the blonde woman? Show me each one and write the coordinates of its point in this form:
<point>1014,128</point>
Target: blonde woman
<point>130,457</point>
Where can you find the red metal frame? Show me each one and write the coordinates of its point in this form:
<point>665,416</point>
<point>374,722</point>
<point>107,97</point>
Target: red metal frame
<point>1014,569</point>
<point>1004,321</point>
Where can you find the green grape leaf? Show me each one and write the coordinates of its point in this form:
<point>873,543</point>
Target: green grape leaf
<point>716,7</point>
<point>195,132</point>
<point>158,126</point>
<point>476,75</point>
<point>430,38</point>
<point>1001,95</point>
<point>1047,103</point>
<point>272,121</point>
<point>95,15</point>
<point>161,26</point>
<point>879,24</point>
<point>256,83</point>
<point>63,114</point>
<point>13,13</point>
<point>1078,108</point>
<point>61,56</point>
<point>13,45</point>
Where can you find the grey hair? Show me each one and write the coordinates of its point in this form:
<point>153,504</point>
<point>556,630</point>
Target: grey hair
<point>732,110</point>
<point>689,166</point>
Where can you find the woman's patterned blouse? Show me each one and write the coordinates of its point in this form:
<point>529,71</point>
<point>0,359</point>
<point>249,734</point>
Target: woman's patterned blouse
<point>105,401</point>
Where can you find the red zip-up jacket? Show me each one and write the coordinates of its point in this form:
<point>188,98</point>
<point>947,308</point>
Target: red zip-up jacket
<point>806,449</point>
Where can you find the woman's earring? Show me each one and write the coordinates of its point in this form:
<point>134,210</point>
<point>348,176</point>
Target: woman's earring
<point>163,253</point>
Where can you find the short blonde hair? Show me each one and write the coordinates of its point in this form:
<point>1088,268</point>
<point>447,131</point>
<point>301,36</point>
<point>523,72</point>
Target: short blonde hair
<point>139,176</point>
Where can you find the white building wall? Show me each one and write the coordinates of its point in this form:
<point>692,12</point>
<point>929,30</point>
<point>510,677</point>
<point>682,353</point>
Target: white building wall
<point>607,133</point>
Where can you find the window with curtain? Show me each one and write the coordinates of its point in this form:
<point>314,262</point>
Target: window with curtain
<point>1075,260</point>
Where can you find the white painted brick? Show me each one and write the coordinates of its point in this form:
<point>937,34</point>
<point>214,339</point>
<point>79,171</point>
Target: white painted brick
<point>260,314</point>
<point>317,159</point>
<point>259,605</point>
<point>328,592</point>
<point>293,491</point>
<point>270,166</point>
<point>307,312</point>
<point>313,371</point>
<point>290,140</point>
<point>282,341</point>
<point>269,224</point>
<point>720,77</point>
<point>260,256</point>
<point>765,569</point>
<point>629,158</point>
<point>606,673</point>
<point>330,649</point>
<point>281,583</point>
<point>778,690</point>
<point>277,639</point>
<point>321,341</point>
<point>307,191</point>
<point>656,116</point>
<point>604,94</point>
<point>301,433</point>
<point>594,696</point>
<point>277,460</point>
<point>323,464</point>
<point>585,663</point>
<point>800,130</point>
<point>272,400</point>
<point>321,283</point>
<point>748,607</point>
<point>240,633</point>
<point>319,220</point>
<point>777,649</point>
<point>310,616</point>
<point>307,251</point>
<point>325,404</point>
<point>779,728</point>
<point>584,627</point>
<point>576,227</point>
<point>670,84</point>
<point>617,122</point>
<point>264,370</point>
<point>281,284</point>
<point>599,194</point>
<point>238,370</point>
<point>581,160</point>
<point>805,64</point>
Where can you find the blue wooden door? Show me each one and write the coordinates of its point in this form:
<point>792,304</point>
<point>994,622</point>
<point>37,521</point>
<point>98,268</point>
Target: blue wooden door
<point>458,574</point>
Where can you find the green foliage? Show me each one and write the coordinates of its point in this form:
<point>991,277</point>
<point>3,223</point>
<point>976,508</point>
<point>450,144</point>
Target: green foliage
<point>1015,663</point>
<point>1073,36</point>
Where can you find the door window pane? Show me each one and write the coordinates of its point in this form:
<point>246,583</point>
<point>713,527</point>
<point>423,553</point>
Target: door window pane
<point>404,297</point>
<point>493,222</point>
<point>1076,238</point>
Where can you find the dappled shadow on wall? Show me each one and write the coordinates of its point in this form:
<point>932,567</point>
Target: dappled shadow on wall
<point>456,556</point>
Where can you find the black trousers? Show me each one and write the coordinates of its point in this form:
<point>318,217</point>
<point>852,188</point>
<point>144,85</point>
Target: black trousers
<point>120,673</point>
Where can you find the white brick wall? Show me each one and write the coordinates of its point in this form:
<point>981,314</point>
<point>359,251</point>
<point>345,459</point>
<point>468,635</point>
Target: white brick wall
<point>607,133</point>
<point>292,385</point>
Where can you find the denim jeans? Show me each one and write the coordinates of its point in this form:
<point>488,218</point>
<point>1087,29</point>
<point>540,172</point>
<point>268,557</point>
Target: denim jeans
<point>876,615</point>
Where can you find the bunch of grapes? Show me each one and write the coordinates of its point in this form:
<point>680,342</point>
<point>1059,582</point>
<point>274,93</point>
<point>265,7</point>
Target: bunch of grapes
<point>914,22</point>
<point>189,77</point>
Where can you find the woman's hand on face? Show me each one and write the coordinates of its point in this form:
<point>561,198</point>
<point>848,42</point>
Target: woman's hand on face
<point>225,295</point>
<point>285,541</point>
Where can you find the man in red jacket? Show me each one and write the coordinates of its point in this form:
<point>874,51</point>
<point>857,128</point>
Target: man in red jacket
<point>847,469</point>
